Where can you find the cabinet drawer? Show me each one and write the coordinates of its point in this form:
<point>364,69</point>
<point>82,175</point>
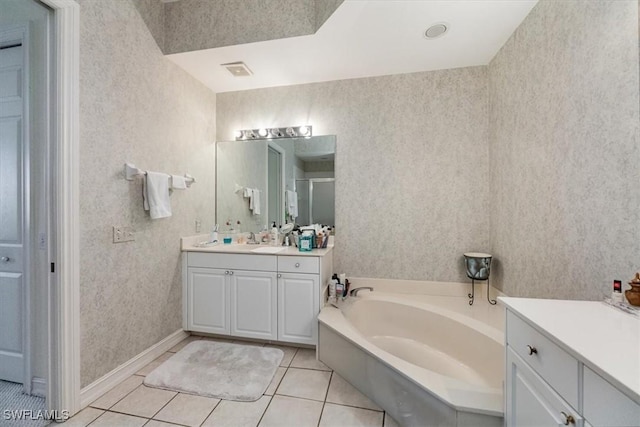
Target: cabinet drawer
<point>557,367</point>
<point>232,261</point>
<point>298,264</point>
<point>604,405</point>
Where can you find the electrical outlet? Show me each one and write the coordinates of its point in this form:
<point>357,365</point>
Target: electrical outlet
<point>42,241</point>
<point>123,234</point>
<point>198,226</point>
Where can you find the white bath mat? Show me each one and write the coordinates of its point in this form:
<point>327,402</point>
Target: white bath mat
<point>220,370</point>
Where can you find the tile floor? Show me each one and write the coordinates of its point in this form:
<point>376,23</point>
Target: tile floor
<point>303,392</point>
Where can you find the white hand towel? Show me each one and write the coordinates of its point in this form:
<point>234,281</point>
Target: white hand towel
<point>292,203</point>
<point>249,194</point>
<point>155,190</point>
<point>178,182</point>
<point>255,199</point>
<point>246,193</point>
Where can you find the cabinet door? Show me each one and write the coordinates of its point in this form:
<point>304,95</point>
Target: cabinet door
<point>208,299</point>
<point>254,304</point>
<point>298,308</point>
<point>530,401</point>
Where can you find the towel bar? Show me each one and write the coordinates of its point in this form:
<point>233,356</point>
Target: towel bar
<point>131,171</point>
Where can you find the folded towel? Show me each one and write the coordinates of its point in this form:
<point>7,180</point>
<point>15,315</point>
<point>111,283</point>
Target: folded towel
<point>246,192</point>
<point>178,182</point>
<point>155,191</point>
<point>255,200</point>
<point>292,203</point>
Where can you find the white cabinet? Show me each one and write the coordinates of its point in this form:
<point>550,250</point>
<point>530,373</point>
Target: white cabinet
<point>207,300</point>
<point>531,402</point>
<point>298,299</point>
<point>254,304</point>
<point>550,383</point>
<point>268,297</point>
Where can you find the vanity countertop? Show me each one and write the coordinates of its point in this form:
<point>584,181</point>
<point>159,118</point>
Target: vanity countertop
<point>190,244</point>
<point>606,339</point>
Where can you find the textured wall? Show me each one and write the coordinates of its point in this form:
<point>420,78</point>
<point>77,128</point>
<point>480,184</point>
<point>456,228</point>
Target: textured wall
<point>565,151</point>
<point>135,106</point>
<point>412,166</point>
<point>152,13</point>
<point>204,24</point>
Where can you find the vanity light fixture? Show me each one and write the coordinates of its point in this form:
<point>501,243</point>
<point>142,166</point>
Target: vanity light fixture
<point>273,133</point>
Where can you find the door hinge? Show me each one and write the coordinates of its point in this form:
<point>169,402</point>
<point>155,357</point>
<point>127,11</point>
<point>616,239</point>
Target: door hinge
<point>53,267</point>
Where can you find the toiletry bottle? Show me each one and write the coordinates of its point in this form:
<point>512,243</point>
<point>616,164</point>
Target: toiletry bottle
<point>340,290</point>
<point>332,290</point>
<point>213,236</point>
<point>616,295</point>
<point>305,242</point>
<point>274,234</point>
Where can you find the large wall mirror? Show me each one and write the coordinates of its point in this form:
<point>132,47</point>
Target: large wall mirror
<point>282,180</point>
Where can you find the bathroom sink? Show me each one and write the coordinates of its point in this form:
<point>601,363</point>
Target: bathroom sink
<point>268,250</point>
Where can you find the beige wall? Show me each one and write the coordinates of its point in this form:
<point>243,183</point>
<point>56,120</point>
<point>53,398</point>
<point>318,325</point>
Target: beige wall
<point>135,106</point>
<point>565,151</point>
<point>412,166</point>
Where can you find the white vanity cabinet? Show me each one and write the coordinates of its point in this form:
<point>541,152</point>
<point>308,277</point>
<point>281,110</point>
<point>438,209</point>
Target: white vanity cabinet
<point>563,364</point>
<point>268,297</point>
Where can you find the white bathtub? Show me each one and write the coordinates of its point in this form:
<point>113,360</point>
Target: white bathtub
<point>427,360</point>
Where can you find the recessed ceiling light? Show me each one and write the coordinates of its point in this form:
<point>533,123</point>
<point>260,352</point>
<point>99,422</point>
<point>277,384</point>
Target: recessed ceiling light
<point>237,69</point>
<point>436,30</point>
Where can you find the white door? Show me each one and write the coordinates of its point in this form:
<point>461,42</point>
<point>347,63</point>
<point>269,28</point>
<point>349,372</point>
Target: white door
<point>254,304</point>
<point>12,277</point>
<point>298,296</point>
<point>207,300</point>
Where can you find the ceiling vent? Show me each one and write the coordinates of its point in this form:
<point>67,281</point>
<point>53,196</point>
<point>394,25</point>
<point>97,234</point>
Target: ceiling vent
<point>238,69</point>
<point>436,30</point>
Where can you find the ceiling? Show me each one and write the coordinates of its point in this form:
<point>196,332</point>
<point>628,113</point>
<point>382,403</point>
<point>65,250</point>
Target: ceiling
<point>367,38</point>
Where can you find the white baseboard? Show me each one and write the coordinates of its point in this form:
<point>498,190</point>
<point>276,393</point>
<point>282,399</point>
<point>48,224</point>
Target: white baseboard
<point>105,383</point>
<point>38,387</point>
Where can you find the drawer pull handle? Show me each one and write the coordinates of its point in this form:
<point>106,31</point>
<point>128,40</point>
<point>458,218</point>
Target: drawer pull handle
<point>297,264</point>
<point>231,273</point>
<point>5,259</point>
<point>568,419</point>
<point>279,276</point>
<point>532,350</point>
<point>226,272</point>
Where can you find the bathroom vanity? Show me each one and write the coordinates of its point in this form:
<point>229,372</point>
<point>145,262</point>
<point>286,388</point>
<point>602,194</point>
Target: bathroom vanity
<point>238,290</point>
<point>571,363</point>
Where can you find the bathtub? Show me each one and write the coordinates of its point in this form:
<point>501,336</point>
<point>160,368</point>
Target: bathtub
<point>427,360</point>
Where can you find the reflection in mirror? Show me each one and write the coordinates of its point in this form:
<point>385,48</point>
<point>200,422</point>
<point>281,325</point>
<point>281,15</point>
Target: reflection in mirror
<point>282,180</point>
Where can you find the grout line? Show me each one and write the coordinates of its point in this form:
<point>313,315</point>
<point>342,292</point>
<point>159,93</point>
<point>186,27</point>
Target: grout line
<point>266,409</point>
<point>118,401</point>
<point>211,412</point>
<point>163,406</point>
<point>115,412</point>
<point>324,403</point>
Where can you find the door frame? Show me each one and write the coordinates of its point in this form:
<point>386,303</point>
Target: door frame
<point>20,34</point>
<point>63,385</point>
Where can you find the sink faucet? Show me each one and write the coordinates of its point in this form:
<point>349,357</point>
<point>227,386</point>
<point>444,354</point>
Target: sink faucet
<point>251,240</point>
<point>354,292</point>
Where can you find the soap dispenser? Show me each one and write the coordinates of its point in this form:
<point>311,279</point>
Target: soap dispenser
<point>274,234</point>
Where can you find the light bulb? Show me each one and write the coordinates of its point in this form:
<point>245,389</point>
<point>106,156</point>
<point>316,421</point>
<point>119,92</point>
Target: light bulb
<point>238,134</point>
<point>263,132</point>
<point>303,130</point>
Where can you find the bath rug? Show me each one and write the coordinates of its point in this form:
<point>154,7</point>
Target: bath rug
<point>216,369</point>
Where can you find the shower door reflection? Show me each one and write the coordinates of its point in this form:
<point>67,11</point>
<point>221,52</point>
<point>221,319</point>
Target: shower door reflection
<point>316,201</point>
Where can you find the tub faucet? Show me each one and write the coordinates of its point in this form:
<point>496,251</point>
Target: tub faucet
<point>354,292</point>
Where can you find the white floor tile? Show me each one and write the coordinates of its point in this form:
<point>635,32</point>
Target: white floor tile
<point>187,409</point>
<point>342,416</point>
<point>289,352</point>
<point>153,365</point>
<point>144,401</point>
<point>288,412</point>
<point>275,382</point>
<point>343,393</point>
<point>83,418</point>
<point>156,423</point>
<point>306,358</point>
<point>305,383</point>
<point>112,419</point>
<point>112,397</point>
<point>229,413</point>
